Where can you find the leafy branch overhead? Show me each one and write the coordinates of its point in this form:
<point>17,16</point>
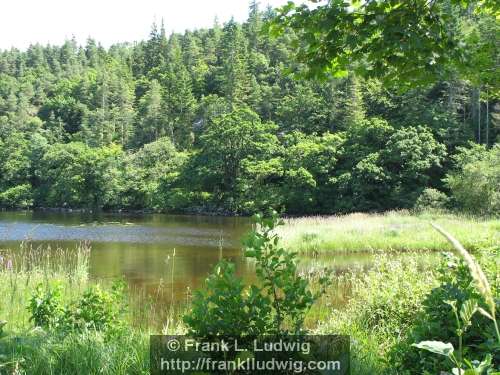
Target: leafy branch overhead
<point>412,42</point>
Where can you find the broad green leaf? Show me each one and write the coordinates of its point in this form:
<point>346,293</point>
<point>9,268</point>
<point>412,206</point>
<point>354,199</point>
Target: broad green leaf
<point>437,347</point>
<point>467,310</point>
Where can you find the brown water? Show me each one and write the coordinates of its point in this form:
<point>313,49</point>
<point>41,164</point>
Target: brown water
<point>148,251</point>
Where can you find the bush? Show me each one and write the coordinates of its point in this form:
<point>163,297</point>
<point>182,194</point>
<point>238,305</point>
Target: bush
<point>97,309</point>
<point>437,320</point>
<point>431,199</point>
<point>475,181</point>
<point>20,196</point>
<point>224,308</point>
<point>45,307</point>
<point>386,299</point>
<point>276,305</point>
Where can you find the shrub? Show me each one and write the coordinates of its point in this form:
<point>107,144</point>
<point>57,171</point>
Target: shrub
<point>225,308</point>
<point>385,301</point>
<point>276,305</point>
<point>437,319</point>
<point>387,298</point>
<point>431,199</point>
<point>184,199</point>
<point>20,196</point>
<point>97,309</point>
<point>45,307</point>
<point>487,307</point>
<point>475,181</point>
<point>391,295</point>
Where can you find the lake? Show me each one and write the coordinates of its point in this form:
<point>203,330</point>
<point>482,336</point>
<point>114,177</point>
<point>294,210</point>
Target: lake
<point>173,253</point>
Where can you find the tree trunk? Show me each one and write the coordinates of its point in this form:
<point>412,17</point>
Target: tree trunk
<point>487,119</point>
<point>479,115</point>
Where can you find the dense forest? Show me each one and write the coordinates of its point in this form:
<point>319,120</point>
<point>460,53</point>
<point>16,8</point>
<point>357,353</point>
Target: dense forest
<point>215,120</point>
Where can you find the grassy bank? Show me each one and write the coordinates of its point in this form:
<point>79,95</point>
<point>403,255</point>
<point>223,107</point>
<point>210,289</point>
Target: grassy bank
<point>391,231</point>
<point>397,303</point>
<point>26,348</point>
<point>390,306</point>
<point>21,271</point>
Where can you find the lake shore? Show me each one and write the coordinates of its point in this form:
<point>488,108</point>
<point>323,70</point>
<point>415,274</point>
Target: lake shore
<point>383,300</point>
<point>399,231</point>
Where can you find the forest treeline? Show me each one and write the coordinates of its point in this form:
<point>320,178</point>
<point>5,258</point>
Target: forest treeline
<point>215,120</point>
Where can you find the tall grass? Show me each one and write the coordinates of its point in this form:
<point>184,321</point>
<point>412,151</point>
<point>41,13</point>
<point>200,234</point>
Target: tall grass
<point>33,350</point>
<point>383,303</point>
<point>21,270</point>
<point>391,231</point>
<point>26,349</point>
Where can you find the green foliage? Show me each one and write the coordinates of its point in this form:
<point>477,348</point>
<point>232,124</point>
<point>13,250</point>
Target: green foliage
<point>76,175</point>
<point>438,320</point>
<point>3,323</point>
<point>150,173</point>
<point>211,120</point>
<point>388,167</point>
<point>405,43</point>
<point>20,196</point>
<point>45,306</point>
<point>411,157</point>
<point>228,142</point>
<point>463,320</point>
<point>385,301</point>
<point>97,309</point>
<point>46,353</point>
<point>431,199</point>
<point>227,308</point>
<point>388,305</point>
<point>308,163</point>
<point>276,268</point>
<point>475,180</point>
<point>276,305</point>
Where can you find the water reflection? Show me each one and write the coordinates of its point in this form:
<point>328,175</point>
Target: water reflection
<point>151,252</point>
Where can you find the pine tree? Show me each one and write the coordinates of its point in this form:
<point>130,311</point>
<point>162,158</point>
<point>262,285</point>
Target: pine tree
<point>155,47</point>
<point>179,99</point>
<point>233,76</point>
<point>254,25</point>
<point>354,108</point>
<point>152,124</point>
<point>194,62</point>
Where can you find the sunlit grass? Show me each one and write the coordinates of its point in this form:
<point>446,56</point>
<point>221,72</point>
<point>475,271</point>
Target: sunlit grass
<point>381,306</point>
<point>391,231</point>
<point>21,270</point>
<point>33,350</point>
<point>377,283</point>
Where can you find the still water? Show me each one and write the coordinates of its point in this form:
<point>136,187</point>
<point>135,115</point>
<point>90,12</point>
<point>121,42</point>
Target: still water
<point>172,251</point>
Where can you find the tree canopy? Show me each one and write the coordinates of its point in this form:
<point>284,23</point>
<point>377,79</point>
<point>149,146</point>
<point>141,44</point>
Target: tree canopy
<point>212,119</point>
<point>405,43</point>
